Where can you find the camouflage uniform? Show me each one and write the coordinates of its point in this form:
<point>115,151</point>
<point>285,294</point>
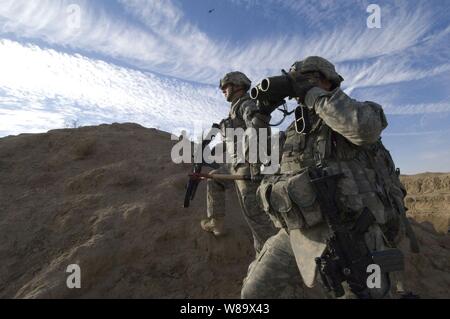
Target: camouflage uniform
<point>260,225</point>
<point>344,136</point>
<point>243,114</point>
<point>274,273</point>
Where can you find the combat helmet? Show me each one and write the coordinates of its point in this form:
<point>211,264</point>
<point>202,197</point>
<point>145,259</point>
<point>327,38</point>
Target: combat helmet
<point>236,78</point>
<point>319,64</point>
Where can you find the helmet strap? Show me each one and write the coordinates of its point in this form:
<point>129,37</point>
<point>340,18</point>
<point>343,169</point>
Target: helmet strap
<point>237,89</point>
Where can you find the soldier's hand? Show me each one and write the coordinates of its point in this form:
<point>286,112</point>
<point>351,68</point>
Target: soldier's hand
<point>255,173</point>
<point>302,83</point>
<point>266,107</point>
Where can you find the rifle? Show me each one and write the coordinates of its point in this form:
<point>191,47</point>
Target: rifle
<point>347,257</point>
<point>224,177</point>
<point>192,185</point>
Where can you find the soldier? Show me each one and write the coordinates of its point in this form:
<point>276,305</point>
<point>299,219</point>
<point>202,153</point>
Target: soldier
<point>337,135</point>
<point>243,114</point>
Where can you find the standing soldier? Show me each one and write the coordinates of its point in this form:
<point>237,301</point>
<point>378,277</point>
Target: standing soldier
<point>243,114</point>
<point>338,201</point>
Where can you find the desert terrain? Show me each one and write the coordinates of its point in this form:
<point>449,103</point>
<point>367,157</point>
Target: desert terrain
<point>109,199</point>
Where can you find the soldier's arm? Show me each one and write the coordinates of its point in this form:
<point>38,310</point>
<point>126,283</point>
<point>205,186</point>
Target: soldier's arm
<point>249,112</point>
<point>360,122</point>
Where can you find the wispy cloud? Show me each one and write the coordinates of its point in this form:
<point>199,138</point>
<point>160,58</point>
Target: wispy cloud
<point>432,156</point>
<point>41,88</point>
<point>260,57</point>
<point>386,71</point>
<point>170,44</point>
<point>418,108</point>
<point>72,86</point>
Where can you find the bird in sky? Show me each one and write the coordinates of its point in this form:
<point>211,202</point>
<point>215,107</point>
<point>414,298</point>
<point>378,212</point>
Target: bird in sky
<point>211,11</point>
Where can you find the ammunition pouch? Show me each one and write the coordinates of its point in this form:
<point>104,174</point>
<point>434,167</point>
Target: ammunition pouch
<point>291,201</point>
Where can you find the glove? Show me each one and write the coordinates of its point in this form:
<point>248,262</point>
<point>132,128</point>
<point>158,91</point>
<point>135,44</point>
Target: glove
<point>225,123</point>
<point>260,120</point>
<point>302,84</point>
<point>255,173</point>
<point>266,107</point>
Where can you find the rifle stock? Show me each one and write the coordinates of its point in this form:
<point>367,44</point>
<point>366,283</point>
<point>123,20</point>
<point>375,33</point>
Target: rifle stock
<point>192,186</point>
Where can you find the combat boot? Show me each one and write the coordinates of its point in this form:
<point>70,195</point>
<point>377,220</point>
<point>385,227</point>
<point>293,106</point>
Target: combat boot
<point>213,225</point>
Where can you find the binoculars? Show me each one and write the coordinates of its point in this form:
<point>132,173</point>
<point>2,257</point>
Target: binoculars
<point>273,89</point>
<point>270,94</point>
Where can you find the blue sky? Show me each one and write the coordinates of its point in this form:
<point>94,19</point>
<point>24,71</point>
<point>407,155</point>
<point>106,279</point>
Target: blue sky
<point>158,63</point>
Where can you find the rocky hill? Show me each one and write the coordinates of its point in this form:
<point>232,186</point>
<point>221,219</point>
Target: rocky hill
<point>109,199</point>
<point>429,199</point>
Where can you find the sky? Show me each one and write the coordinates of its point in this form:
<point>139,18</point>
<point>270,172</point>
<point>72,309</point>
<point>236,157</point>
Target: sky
<point>158,63</point>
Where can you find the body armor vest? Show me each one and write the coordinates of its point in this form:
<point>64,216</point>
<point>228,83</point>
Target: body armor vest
<point>371,179</point>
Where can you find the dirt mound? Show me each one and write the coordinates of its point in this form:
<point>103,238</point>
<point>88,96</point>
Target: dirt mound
<point>429,199</point>
<point>428,273</point>
<point>109,199</point>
